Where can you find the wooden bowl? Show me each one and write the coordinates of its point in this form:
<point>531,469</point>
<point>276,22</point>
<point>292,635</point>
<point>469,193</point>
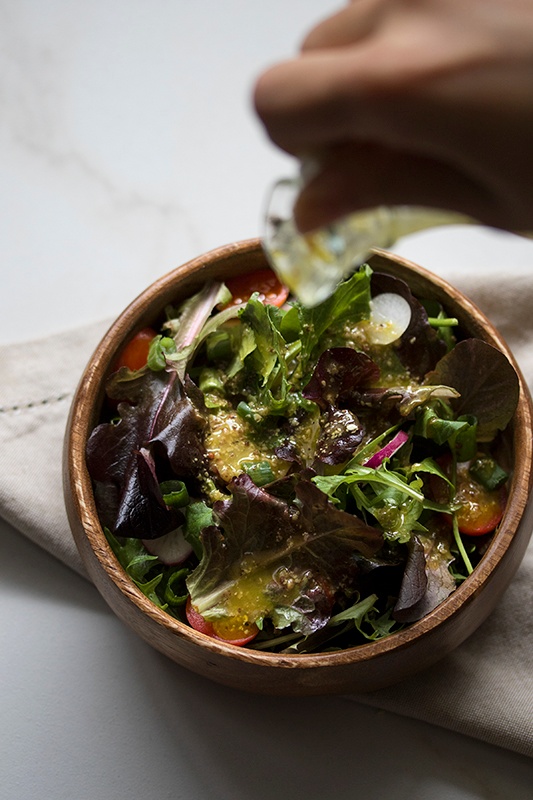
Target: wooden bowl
<point>359,669</point>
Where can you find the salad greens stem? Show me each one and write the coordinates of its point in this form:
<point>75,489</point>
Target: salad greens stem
<point>455,523</point>
<point>444,322</point>
<point>268,644</point>
<point>460,545</point>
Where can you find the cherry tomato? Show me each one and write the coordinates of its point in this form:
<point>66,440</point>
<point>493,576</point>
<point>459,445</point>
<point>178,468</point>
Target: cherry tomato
<point>236,633</point>
<point>135,354</point>
<point>264,281</point>
<point>480,509</point>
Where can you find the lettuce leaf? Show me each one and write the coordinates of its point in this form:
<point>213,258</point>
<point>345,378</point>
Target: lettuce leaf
<point>277,559</point>
<point>340,434</point>
<point>192,323</point>
<point>158,428</point>
<point>266,359</point>
<point>486,381</point>
<point>339,371</point>
<point>427,580</point>
<point>350,302</point>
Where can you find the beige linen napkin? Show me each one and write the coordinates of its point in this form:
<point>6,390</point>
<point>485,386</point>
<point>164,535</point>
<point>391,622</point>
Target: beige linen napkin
<point>484,689</point>
<point>37,384</point>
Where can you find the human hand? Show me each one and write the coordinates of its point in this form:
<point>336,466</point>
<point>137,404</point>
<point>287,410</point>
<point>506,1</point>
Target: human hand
<point>418,102</point>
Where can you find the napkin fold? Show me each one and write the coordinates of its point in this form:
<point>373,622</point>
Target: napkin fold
<point>37,384</point>
<point>483,689</point>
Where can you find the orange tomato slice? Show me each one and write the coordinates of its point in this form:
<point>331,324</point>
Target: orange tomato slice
<point>135,354</point>
<point>480,509</point>
<point>231,632</point>
<point>264,281</point>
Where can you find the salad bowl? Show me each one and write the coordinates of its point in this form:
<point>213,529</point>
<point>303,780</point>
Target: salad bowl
<point>361,668</point>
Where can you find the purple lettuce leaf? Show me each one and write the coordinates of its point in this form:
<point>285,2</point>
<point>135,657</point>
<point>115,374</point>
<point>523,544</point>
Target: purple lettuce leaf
<point>339,371</point>
<point>341,433</point>
<point>426,581</point>
<point>269,558</point>
<point>395,402</point>
<point>159,431</point>
<point>141,507</point>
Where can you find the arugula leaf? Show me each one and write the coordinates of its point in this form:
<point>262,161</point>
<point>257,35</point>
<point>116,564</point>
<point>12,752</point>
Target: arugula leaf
<point>428,465</point>
<point>460,434</point>
<point>131,555</point>
<point>355,612</point>
<point>198,515</point>
<point>149,589</point>
<point>378,476</point>
<point>397,514</point>
<point>380,624</point>
<point>394,497</point>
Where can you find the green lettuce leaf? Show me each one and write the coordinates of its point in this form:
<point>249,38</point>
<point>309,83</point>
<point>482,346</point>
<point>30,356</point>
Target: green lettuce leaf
<point>349,302</point>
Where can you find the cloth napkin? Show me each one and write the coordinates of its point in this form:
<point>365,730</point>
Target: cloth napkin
<point>483,689</point>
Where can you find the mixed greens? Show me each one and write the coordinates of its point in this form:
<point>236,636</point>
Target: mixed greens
<point>303,479</point>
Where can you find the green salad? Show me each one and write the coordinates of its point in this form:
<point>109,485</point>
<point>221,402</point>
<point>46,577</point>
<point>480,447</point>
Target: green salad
<point>296,479</point>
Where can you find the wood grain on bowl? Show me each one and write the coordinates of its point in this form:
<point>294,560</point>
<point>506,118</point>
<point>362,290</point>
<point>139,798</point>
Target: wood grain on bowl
<point>358,669</point>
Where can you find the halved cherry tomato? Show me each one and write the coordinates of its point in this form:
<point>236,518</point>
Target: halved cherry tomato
<point>135,354</point>
<point>236,633</point>
<point>264,281</point>
<point>480,509</point>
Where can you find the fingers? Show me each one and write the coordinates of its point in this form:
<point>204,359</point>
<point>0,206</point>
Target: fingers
<point>345,63</point>
<point>368,92</point>
<point>357,69</point>
<point>301,102</point>
<point>348,26</point>
<point>423,102</point>
<point>311,99</point>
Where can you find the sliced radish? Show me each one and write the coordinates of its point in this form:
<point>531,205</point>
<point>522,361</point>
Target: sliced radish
<point>386,452</point>
<point>172,548</point>
<point>390,315</point>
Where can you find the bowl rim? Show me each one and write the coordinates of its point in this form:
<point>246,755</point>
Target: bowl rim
<point>92,542</point>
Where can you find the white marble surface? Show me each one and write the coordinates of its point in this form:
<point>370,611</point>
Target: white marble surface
<point>129,145</point>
